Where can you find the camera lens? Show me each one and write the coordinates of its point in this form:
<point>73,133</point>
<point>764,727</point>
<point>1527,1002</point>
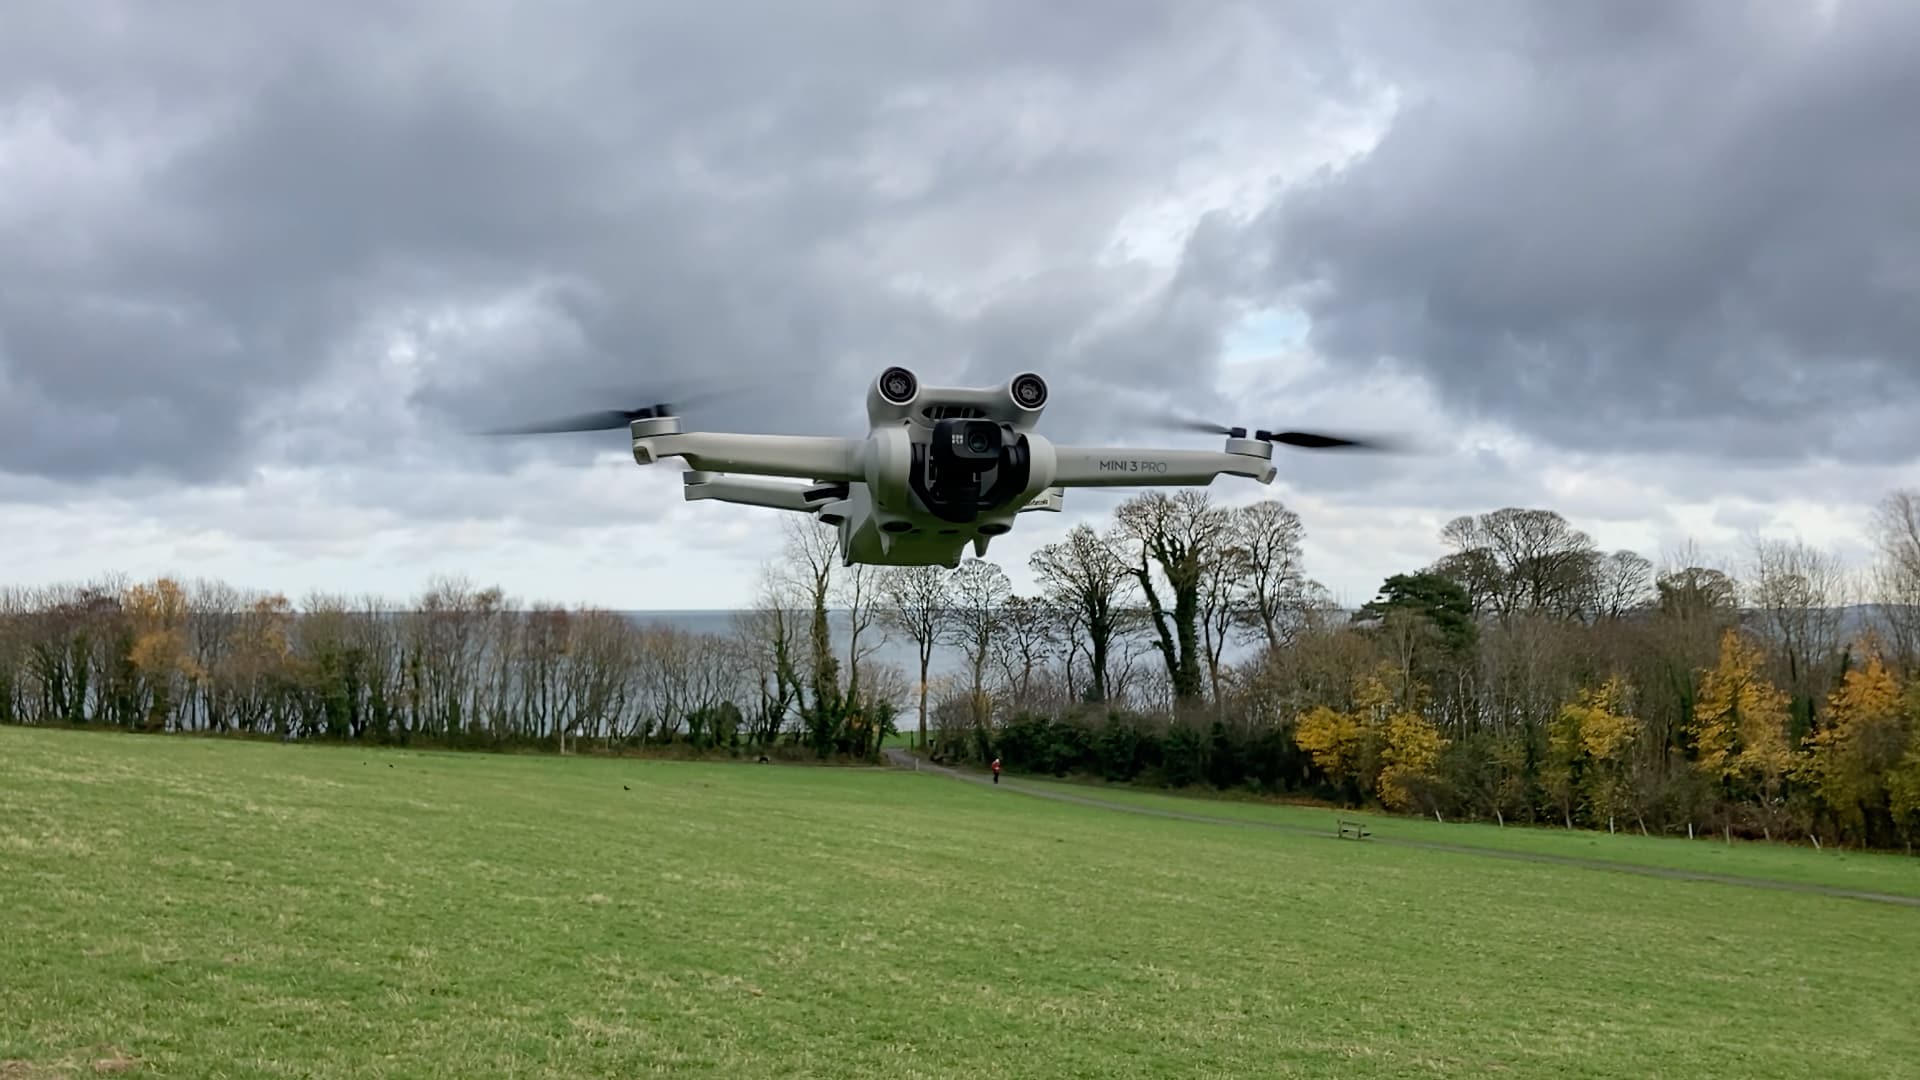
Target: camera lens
<point>979,440</point>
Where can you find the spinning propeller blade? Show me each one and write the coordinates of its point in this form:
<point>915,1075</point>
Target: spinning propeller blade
<point>1304,440</point>
<point>1310,441</point>
<point>603,420</point>
<point>616,419</point>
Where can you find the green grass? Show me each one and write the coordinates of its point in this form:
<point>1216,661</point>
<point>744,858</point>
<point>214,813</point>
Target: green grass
<point>216,909</point>
<point>1883,872</point>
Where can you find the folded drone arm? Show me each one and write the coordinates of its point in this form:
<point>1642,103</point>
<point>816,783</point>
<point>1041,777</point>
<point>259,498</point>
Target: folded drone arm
<point>802,456</point>
<point>756,491</point>
<point>1132,466</point>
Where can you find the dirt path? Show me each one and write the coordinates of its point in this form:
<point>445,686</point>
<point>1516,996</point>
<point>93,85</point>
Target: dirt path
<point>903,759</point>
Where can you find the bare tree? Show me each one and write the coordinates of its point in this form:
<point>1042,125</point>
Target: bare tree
<point>1264,538</point>
<point>1527,560</point>
<point>1222,592</point>
<point>1087,575</point>
<point>861,594</point>
<point>915,601</point>
<point>1029,634</point>
<point>773,639</point>
<point>1622,583</point>
<point>980,594</point>
<point>1896,574</point>
<point>1179,535</point>
<point>1797,592</point>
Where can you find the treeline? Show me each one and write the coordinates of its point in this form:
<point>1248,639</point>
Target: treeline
<point>1525,676</point>
<point>458,666</point>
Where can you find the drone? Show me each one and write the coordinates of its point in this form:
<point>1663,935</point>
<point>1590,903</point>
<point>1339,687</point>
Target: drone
<point>941,468</point>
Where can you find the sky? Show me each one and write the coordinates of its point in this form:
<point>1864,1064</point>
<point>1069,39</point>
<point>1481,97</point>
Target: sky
<point>264,266</point>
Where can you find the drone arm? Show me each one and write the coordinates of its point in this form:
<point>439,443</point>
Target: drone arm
<point>1130,466</point>
<point>755,491</point>
<point>800,456</point>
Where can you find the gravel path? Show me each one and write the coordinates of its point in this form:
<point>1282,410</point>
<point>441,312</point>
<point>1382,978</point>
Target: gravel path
<point>904,760</point>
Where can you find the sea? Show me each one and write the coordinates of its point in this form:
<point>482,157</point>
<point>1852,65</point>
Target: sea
<point>895,650</point>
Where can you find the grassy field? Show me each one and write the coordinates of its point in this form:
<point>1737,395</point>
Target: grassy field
<point>1867,871</point>
<point>203,908</point>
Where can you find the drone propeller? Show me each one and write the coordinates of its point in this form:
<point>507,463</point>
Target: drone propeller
<point>1305,440</point>
<point>603,420</point>
<point>702,393</point>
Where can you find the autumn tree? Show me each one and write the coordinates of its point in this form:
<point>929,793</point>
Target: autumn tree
<point>1858,745</point>
<point>1589,746</point>
<point>157,615</point>
<point>1740,729</point>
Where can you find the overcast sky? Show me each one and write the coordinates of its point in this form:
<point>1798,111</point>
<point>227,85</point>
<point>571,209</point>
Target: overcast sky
<point>1655,265</point>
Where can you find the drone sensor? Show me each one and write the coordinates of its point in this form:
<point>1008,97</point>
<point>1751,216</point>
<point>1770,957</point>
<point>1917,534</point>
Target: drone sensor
<point>1029,391</point>
<point>898,386</point>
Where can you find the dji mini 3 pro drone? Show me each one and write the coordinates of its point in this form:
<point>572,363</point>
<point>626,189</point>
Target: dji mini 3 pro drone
<point>941,467</point>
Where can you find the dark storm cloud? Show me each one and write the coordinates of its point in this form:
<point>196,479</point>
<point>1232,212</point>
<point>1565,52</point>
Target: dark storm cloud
<point>216,221</point>
<point>1636,226</point>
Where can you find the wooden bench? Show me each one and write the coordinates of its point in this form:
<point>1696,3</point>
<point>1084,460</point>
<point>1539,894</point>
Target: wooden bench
<point>1353,830</point>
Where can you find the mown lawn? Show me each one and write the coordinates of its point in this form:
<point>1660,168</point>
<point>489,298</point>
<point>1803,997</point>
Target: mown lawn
<point>204,908</point>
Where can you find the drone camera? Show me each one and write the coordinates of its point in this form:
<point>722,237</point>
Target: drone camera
<point>971,446</point>
<point>969,465</point>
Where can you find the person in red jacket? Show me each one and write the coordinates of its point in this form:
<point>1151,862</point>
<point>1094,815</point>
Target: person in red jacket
<point>996,769</point>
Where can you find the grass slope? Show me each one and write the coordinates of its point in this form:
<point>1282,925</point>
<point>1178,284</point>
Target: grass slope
<point>1873,871</point>
<point>219,909</point>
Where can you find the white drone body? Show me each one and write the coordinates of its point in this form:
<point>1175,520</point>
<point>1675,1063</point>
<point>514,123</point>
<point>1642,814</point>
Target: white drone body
<point>941,468</point>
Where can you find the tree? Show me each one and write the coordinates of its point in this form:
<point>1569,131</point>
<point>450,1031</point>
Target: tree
<point>1263,541</point>
<point>1858,747</point>
<point>1178,534</point>
<point>1797,591</point>
<point>1740,728</point>
<point>1436,598</point>
<point>1086,575</point>
<point>1029,634</point>
<point>915,601</point>
<point>160,654</point>
<point>1588,747</point>
<point>1895,576</point>
<point>980,594</point>
<point>1525,561</point>
<point>812,554</point>
<point>772,636</point>
<point>1622,583</point>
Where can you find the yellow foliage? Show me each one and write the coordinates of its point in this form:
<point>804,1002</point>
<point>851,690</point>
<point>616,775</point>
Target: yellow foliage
<point>1333,739</point>
<point>158,616</point>
<point>1412,753</point>
<point>1383,745</point>
<point>1596,725</point>
<point>1863,713</point>
<point>1903,793</point>
<point>1740,719</point>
